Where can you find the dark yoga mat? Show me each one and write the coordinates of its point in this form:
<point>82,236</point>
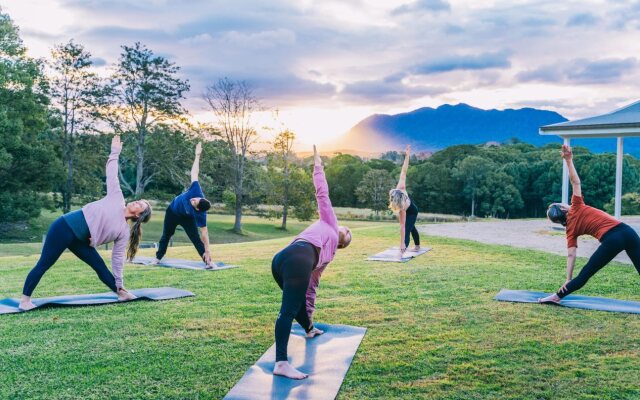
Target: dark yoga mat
<point>572,301</point>
<point>10,306</point>
<point>326,358</point>
<point>391,255</point>
<point>181,264</point>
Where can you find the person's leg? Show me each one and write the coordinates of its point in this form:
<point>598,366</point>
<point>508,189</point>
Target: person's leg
<point>168,229</point>
<point>416,236</point>
<point>409,227</point>
<point>294,265</point>
<point>90,256</point>
<point>191,229</point>
<point>609,248</point>
<point>59,236</point>
<point>632,246</point>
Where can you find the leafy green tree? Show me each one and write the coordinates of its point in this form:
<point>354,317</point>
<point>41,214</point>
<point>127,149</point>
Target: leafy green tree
<point>343,173</point>
<point>386,165</point>
<point>473,172</point>
<point>29,162</point>
<point>73,86</point>
<point>630,204</point>
<point>373,190</point>
<point>144,91</point>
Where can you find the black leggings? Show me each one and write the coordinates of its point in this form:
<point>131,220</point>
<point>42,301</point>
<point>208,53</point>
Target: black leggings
<point>291,268</point>
<point>619,238</point>
<point>59,238</point>
<point>410,226</point>
<point>171,222</point>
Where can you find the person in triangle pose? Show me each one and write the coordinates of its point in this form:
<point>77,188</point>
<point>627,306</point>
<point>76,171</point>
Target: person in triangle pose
<point>407,210</point>
<point>189,210</point>
<point>581,219</point>
<point>298,267</point>
<point>104,221</point>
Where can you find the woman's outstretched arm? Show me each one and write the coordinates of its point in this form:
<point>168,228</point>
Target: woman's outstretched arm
<point>402,182</point>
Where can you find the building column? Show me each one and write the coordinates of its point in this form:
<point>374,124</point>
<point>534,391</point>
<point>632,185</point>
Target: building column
<point>618,199</point>
<point>565,177</point>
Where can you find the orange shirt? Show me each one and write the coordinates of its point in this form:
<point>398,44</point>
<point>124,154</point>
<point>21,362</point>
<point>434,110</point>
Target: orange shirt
<point>585,220</point>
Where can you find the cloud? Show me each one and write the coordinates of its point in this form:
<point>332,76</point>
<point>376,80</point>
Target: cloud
<point>197,39</point>
<point>389,89</point>
<point>464,62</point>
<point>98,61</point>
<point>421,6</point>
<point>581,71</point>
<point>583,19</point>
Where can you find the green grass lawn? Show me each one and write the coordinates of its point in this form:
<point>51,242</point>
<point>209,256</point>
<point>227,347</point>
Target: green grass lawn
<point>434,331</point>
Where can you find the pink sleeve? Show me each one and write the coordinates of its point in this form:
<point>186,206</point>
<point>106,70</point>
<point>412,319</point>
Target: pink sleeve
<point>322,197</point>
<point>117,258</point>
<point>311,291</point>
<point>113,183</point>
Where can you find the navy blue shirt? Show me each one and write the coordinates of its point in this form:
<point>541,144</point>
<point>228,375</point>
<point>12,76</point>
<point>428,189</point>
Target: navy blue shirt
<point>181,205</point>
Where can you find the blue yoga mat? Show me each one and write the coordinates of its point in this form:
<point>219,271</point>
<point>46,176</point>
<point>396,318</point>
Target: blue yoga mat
<point>572,301</point>
<point>326,358</point>
<point>181,264</point>
<point>10,306</point>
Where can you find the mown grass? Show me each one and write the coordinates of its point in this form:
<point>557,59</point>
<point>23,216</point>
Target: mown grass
<point>434,331</point>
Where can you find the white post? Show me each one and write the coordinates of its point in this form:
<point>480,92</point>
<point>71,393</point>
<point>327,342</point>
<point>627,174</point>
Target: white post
<point>618,200</point>
<point>565,177</point>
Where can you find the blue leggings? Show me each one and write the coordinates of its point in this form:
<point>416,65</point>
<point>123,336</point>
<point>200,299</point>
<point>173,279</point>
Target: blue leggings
<point>619,238</point>
<point>59,238</point>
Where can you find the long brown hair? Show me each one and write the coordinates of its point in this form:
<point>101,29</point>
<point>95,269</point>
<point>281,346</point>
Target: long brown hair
<point>136,231</point>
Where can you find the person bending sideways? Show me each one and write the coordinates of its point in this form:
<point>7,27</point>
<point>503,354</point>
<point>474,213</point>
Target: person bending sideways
<point>400,202</point>
<point>298,267</point>
<point>106,220</point>
<point>580,219</point>
<point>188,210</point>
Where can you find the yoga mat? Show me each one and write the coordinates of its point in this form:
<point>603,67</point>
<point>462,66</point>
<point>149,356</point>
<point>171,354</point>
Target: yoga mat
<point>181,264</point>
<point>326,358</point>
<point>572,301</point>
<point>391,255</point>
<point>10,306</point>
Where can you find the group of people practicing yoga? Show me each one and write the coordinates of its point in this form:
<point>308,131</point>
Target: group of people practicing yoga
<point>298,267</point>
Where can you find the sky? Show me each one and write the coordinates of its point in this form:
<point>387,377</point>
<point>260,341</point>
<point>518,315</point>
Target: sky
<point>327,65</point>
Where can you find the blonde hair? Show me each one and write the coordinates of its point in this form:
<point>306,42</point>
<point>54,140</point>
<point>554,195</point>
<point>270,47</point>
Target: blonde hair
<point>398,200</point>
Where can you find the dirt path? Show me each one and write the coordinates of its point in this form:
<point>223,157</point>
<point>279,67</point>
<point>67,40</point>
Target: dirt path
<point>539,234</point>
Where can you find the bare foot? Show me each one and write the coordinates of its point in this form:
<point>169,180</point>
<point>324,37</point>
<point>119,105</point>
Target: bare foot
<point>124,295</point>
<point>314,332</point>
<point>283,368</point>
<point>416,249</point>
<point>26,304</point>
<point>551,299</point>
<point>155,261</point>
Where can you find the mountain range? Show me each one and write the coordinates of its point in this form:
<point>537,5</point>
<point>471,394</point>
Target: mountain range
<point>432,129</point>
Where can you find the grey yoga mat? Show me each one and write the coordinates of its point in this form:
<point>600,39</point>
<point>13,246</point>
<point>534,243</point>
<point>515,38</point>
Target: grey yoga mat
<point>326,358</point>
<point>181,264</point>
<point>391,255</point>
<point>572,301</point>
<point>10,306</point>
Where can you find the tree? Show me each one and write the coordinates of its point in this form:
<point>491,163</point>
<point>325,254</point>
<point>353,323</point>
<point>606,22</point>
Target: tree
<point>143,91</point>
<point>233,104</point>
<point>373,190</point>
<point>72,87</point>
<point>282,156</point>
<point>29,163</point>
<point>472,171</point>
<point>344,172</point>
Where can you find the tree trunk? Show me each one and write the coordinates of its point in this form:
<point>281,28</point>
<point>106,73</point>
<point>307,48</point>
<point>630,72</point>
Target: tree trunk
<point>473,204</point>
<point>68,187</point>
<point>140,164</point>
<point>237,225</point>
<point>285,200</point>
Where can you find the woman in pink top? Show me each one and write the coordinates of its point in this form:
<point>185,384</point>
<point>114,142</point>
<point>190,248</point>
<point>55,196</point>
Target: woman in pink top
<point>100,222</point>
<point>297,269</point>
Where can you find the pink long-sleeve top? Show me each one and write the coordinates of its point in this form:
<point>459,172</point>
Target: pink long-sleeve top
<point>323,234</point>
<point>106,219</point>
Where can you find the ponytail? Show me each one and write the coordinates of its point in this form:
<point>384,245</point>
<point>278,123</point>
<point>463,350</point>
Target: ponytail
<point>136,231</point>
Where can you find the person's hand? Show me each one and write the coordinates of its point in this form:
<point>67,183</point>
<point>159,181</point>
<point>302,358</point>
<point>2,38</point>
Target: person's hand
<point>198,149</point>
<point>206,257</point>
<point>566,152</point>
<point>116,144</point>
<point>564,286</point>
<point>316,156</point>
